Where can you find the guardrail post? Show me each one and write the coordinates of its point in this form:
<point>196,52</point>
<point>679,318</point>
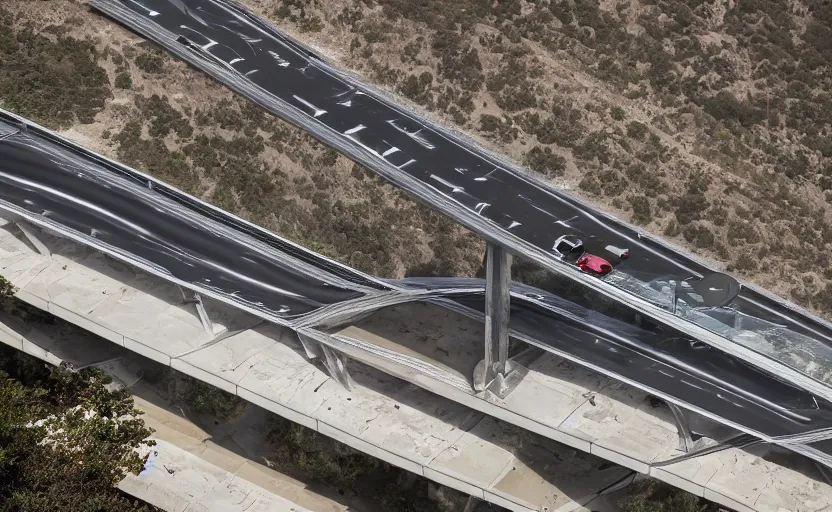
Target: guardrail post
<point>498,277</point>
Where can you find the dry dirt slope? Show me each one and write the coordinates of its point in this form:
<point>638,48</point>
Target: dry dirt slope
<point>706,122</point>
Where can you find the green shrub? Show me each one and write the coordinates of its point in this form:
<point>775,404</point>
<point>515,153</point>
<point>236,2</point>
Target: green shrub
<point>68,460</point>
<point>7,291</point>
<point>724,106</point>
<point>151,62</point>
<point>163,117</point>
<point>124,80</point>
<point>207,399</point>
<point>57,83</point>
<point>699,236</point>
<point>418,88</point>
<point>641,210</point>
<point>690,207</point>
<point>504,129</point>
<point>617,113</point>
<point>545,161</point>
<point>654,496</point>
<point>636,130</point>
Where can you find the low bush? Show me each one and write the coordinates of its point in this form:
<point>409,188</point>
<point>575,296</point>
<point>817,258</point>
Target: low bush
<point>642,213</point>
<point>124,80</point>
<point>545,161</point>
<point>636,130</point>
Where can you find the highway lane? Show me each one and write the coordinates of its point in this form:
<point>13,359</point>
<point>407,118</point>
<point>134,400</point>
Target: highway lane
<point>457,172</point>
<point>45,180</point>
<point>116,207</point>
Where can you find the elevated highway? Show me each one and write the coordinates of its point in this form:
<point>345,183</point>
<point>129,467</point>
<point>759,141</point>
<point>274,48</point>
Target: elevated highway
<point>53,184</point>
<point>87,274</point>
<point>544,447</point>
<point>500,202</point>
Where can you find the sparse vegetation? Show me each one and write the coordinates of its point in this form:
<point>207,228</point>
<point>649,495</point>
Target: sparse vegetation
<point>124,80</point>
<point>151,61</point>
<point>546,162</point>
<point>654,496</point>
<point>7,291</point>
<point>641,209</point>
<point>54,80</point>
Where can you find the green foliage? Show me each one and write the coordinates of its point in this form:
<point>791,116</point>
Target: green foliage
<point>691,206</point>
<point>617,113</point>
<point>564,127</point>
<point>154,157</point>
<point>322,458</point>
<point>296,12</point>
<point>511,84</point>
<point>544,161</point>
<point>7,291</point>
<point>207,399</point>
<point>646,179</point>
<point>641,209</point>
<point>699,235</point>
<point>163,117</point>
<point>152,61</point>
<point>459,62</point>
<point>124,80</point>
<point>313,457</point>
<point>418,88</point>
<point>636,130</point>
<point>56,82</point>
<point>504,129</point>
<point>724,106</point>
<point>65,440</point>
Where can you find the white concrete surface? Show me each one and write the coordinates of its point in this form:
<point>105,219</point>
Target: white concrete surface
<point>178,481</point>
<point>556,398</point>
<point>396,421</point>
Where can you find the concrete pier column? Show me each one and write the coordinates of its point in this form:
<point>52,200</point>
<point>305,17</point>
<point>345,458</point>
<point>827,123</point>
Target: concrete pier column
<point>497,301</point>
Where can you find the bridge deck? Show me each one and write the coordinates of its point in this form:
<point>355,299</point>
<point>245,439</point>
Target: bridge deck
<point>512,462</point>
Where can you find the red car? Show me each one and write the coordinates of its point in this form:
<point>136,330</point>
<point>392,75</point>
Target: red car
<point>570,249</point>
<point>593,264</point>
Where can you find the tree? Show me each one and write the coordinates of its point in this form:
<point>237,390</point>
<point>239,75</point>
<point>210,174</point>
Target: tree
<point>65,439</point>
<point>6,295</point>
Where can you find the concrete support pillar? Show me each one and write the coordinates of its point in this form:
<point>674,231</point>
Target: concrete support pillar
<point>334,361</point>
<point>29,232</point>
<point>194,298</point>
<point>498,276</point>
<point>686,441</point>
